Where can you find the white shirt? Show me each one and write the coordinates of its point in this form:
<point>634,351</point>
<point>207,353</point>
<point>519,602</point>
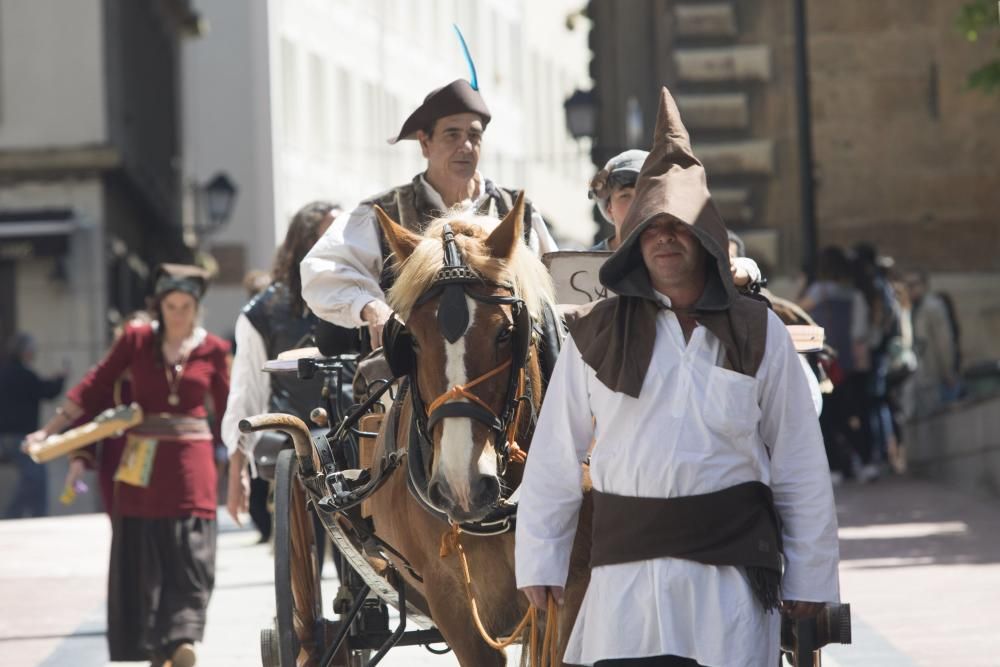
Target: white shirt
<point>696,428</point>
<point>340,275</point>
<point>249,387</point>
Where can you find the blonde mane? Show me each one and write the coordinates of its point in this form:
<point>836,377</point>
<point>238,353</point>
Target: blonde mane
<point>523,270</point>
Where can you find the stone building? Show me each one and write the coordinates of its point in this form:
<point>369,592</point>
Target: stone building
<point>903,153</point>
<point>89,181</point>
<point>297,98</point>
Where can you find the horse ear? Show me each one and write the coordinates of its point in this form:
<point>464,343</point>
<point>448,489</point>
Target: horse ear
<point>401,240</point>
<point>503,240</point>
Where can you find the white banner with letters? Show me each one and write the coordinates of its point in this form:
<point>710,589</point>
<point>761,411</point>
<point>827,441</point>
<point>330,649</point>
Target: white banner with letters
<point>575,275</point>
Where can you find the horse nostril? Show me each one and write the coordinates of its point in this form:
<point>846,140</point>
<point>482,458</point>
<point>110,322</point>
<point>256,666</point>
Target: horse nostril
<point>437,496</point>
<point>487,491</point>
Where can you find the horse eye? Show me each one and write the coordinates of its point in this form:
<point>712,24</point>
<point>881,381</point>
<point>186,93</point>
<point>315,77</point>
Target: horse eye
<point>505,334</point>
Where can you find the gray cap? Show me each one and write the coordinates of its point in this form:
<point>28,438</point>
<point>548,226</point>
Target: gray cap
<point>622,169</point>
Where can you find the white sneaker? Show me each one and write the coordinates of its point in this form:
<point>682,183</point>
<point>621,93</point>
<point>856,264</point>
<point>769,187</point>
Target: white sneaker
<point>836,477</point>
<point>869,473</point>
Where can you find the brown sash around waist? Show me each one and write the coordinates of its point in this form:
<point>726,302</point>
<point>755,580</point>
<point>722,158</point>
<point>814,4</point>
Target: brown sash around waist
<point>173,427</point>
<point>735,526</point>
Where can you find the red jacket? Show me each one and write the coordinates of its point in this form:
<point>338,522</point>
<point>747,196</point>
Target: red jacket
<point>183,480</point>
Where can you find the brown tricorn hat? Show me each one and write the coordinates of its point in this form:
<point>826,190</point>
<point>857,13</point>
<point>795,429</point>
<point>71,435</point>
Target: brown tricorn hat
<point>457,97</point>
<point>671,183</point>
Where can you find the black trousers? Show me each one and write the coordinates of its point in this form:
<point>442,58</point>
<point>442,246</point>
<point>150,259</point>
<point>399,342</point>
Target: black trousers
<point>159,582</point>
<point>260,489</point>
<point>655,661</point>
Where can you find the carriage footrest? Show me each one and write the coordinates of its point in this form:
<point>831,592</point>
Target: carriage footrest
<point>373,640</point>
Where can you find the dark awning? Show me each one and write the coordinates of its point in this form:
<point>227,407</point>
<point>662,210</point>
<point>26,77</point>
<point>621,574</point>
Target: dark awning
<point>36,232</point>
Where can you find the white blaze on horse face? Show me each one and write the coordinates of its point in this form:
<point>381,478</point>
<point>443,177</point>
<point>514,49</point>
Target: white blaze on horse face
<point>456,432</point>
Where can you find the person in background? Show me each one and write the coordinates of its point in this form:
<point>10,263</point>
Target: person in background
<point>255,282</point>
<point>21,392</point>
<point>839,307</point>
<point>613,188</point>
<point>789,314</point>
<point>274,321</point>
<point>935,382</point>
<point>163,534</point>
<point>345,276</point>
<point>883,327</point>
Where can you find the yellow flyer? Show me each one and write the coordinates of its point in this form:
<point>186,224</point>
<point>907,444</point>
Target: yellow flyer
<point>137,462</point>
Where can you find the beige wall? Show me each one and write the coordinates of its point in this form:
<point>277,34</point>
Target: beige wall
<point>906,155</point>
<point>51,59</point>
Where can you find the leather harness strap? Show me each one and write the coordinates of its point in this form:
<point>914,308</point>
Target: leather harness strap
<point>460,391</point>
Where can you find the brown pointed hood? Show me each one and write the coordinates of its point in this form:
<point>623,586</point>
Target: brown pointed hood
<point>616,336</point>
<point>672,182</point>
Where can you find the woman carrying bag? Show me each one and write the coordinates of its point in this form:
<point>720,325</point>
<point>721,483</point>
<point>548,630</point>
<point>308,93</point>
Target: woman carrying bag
<point>162,567</point>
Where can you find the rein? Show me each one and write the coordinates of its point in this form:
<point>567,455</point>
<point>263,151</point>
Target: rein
<point>546,655</point>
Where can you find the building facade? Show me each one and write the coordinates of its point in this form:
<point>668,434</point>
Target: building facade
<point>901,148</point>
<point>88,170</point>
<point>297,99</point>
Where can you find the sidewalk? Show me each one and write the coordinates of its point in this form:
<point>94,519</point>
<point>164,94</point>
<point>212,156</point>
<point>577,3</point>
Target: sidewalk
<point>920,567</point>
<point>52,580</point>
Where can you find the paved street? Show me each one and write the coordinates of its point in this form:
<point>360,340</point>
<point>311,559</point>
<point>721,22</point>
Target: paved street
<point>921,568</point>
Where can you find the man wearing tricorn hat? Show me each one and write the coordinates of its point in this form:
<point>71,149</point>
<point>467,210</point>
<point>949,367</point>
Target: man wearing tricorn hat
<point>345,276</point>
<point>713,506</point>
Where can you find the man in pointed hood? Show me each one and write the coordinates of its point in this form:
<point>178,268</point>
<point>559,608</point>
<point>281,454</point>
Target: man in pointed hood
<point>346,274</point>
<point>713,505</point>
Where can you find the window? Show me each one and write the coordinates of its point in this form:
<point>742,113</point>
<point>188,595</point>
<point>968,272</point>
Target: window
<point>290,107</point>
<point>318,129</point>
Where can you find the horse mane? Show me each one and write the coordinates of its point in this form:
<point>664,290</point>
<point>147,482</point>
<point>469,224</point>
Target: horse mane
<point>523,270</point>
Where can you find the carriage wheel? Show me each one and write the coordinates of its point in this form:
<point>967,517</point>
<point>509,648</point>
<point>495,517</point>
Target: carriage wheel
<point>298,596</point>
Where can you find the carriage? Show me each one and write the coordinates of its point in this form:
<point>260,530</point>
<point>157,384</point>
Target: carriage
<point>375,458</point>
<point>305,495</point>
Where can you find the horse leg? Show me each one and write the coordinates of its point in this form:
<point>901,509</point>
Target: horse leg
<point>452,615</point>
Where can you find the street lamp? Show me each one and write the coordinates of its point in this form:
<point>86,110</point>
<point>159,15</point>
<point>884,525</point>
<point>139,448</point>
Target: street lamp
<point>207,207</point>
<point>581,114</point>
<point>219,196</point>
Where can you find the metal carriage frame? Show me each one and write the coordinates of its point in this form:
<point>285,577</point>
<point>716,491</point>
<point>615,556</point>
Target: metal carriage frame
<point>313,503</point>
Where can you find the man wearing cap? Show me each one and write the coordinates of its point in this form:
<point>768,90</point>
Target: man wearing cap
<point>713,506</point>
<point>346,274</point>
<point>613,189</point>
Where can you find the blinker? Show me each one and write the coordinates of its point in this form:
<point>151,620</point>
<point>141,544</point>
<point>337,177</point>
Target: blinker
<point>453,309</point>
<point>453,313</point>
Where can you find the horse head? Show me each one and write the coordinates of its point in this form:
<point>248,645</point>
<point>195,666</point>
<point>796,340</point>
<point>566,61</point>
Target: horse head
<point>464,297</point>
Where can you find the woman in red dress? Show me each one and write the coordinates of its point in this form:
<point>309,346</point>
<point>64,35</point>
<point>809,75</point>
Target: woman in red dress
<point>164,498</point>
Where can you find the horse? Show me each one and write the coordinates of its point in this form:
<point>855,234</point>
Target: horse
<point>464,301</point>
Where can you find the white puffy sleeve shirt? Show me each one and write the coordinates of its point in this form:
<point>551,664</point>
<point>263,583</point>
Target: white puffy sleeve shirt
<point>340,275</point>
<point>249,387</point>
<point>696,428</point>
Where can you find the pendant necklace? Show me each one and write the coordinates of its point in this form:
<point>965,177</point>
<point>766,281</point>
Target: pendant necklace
<point>173,383</point>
